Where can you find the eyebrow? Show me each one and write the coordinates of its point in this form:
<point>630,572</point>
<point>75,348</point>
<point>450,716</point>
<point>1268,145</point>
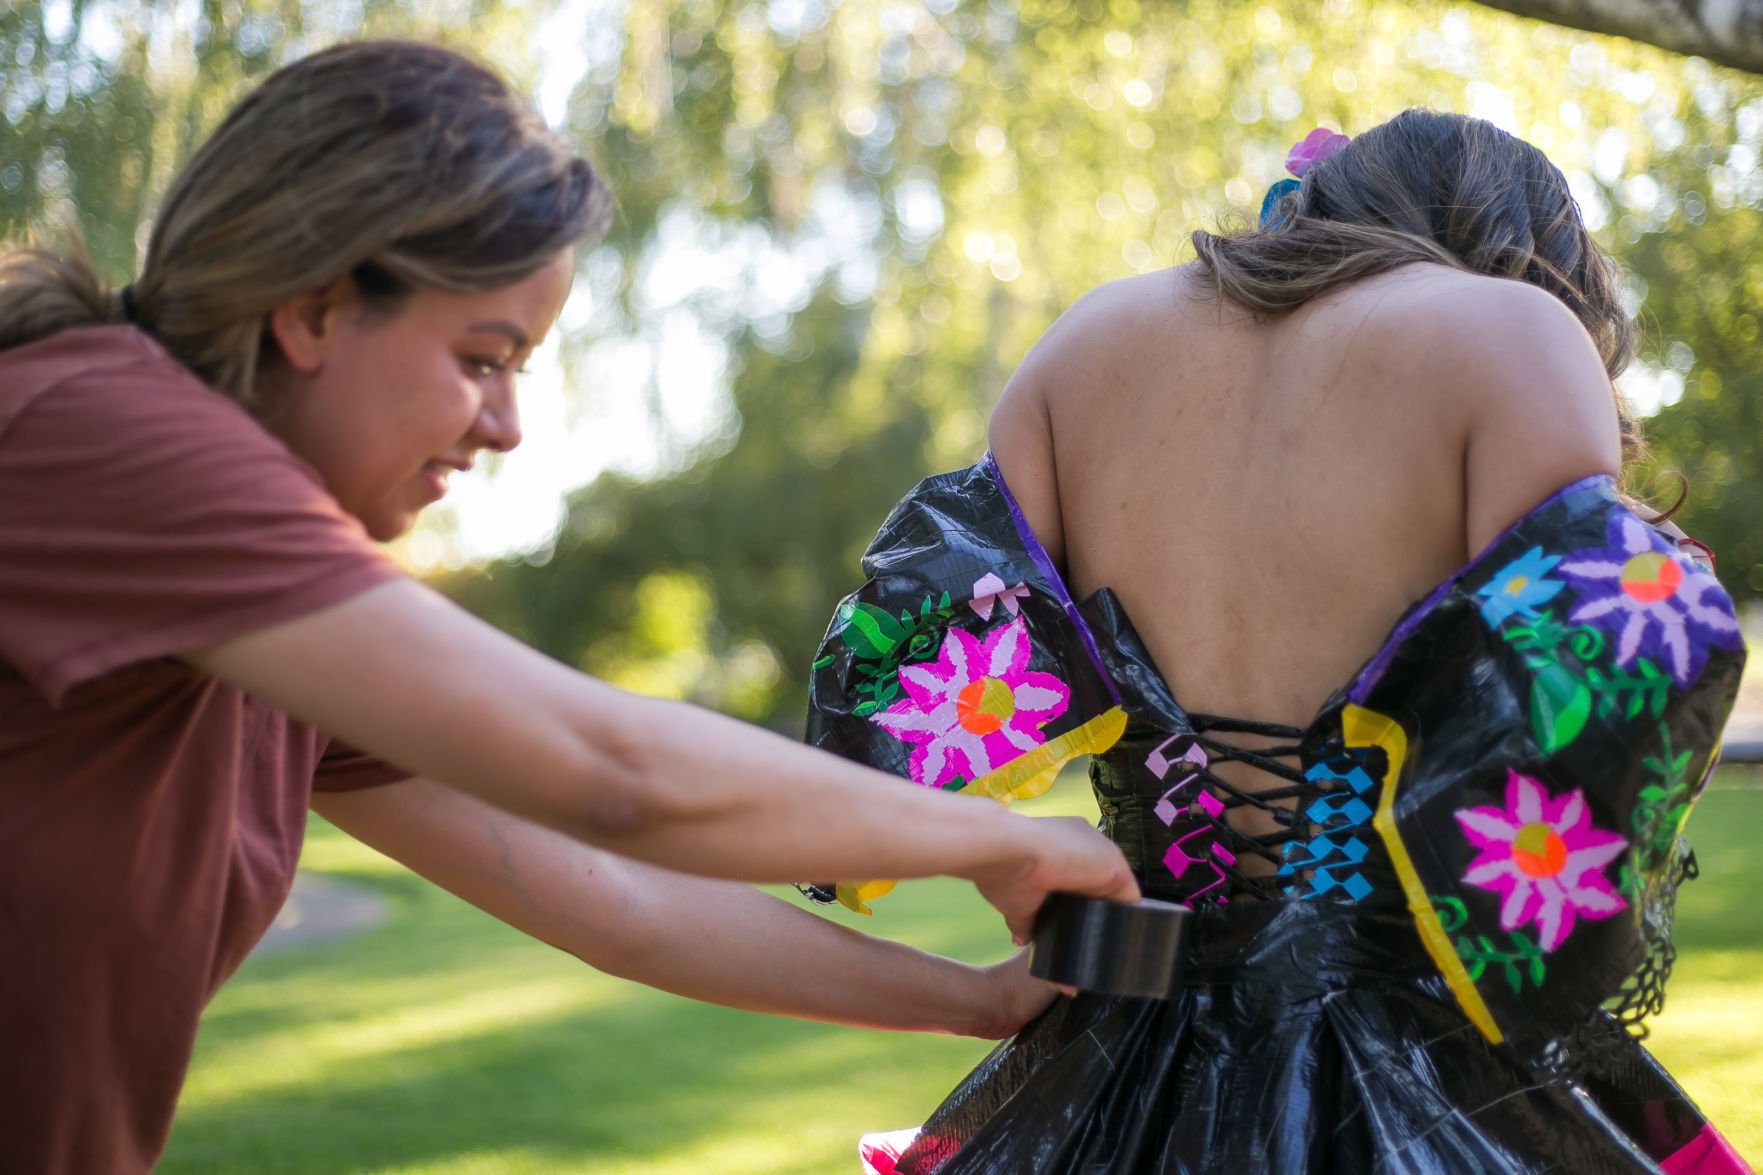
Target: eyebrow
<point>498,327</point>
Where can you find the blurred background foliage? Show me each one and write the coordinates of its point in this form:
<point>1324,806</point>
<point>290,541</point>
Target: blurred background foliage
<point>842,223</point>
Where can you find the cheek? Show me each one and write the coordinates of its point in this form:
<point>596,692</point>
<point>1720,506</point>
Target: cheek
<point>440,403</point>
<point>416,410</point>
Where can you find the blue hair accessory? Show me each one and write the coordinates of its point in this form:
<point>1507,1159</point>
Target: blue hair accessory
<point>1305,154</point>
<point>1270,202</point>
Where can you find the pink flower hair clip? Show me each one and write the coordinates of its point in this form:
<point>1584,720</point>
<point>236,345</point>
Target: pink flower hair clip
<point>1312,149</point>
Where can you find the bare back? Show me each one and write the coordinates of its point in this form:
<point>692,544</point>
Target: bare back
<point>1268,496</point>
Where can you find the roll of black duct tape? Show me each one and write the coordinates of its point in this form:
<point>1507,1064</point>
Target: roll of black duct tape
<point>1111,947</point>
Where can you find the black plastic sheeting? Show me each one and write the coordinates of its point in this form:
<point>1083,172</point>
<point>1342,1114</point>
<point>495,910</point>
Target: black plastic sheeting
<point>1310,1038</point>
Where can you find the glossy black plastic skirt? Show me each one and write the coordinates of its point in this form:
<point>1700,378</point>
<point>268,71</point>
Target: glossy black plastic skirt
<point>1310,1037</point>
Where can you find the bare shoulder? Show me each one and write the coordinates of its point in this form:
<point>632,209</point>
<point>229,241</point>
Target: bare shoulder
<point>1478,332</point>
<point>1106,326</point>
<point>1538,407</point>
<point>1093,345</point>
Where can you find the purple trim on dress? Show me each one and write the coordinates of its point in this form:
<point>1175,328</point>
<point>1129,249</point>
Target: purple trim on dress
<point>1045,562</point>
<point>1368,677</point>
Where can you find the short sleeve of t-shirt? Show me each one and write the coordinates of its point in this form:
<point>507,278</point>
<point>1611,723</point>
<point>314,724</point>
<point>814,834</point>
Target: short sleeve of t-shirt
<point>343,768</point>
<point>143,515</point>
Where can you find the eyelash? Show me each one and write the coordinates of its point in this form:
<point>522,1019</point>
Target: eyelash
<point>488,367</point>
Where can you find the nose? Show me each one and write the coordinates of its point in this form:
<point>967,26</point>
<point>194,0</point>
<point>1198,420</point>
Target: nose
<point>498,421</point>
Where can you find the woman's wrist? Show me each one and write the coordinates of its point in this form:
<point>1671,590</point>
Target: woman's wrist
<point>970,995</point>
<point>1001,849</point>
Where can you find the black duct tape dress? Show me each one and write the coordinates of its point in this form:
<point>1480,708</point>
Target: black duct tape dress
<point>1435,961</point>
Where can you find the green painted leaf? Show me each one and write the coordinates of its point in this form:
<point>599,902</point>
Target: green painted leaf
<point>1559,706</point>
<point>864,709</point>
<point>868,630</point>
<point>824,661</point>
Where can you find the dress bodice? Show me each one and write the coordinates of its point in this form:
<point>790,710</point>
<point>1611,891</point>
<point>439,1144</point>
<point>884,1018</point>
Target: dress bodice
<point>1512,765</point>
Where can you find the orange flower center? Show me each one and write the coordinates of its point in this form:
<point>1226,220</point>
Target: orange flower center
<point>1650,577</point>
<point>983,705</point>
<point>1539,851</point>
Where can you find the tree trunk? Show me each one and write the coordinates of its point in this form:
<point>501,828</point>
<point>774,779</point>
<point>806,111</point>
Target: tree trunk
<point>1727,32</point>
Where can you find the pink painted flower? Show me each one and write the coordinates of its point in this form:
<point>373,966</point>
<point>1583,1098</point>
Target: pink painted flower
<point>1544,858</point>
<point>975,708</point>
<point>1312,149</point>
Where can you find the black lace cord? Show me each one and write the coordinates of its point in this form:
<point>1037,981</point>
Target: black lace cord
<point>1294,824</point>
<point>1264,760</point>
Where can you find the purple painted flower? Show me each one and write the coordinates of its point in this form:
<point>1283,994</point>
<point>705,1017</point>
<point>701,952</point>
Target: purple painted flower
<point>1543,857</point>
<point>1650,599</point>
<point>1312,149</point>
<point>975,708</point>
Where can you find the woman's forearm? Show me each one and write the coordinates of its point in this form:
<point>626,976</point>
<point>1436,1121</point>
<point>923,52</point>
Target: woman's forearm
<point>722,942</point>
<point>407,676</point>
<point>722,786</point>
<point>730,944</point>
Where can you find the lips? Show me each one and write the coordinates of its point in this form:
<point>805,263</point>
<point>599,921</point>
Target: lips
<point>434,478</point>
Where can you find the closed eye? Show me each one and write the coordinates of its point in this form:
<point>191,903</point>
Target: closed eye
<point>485,368</point>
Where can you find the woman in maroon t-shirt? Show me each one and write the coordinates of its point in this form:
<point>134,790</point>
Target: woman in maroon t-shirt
<point>338,291</point>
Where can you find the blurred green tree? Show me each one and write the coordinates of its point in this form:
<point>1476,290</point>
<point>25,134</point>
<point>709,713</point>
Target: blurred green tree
<point>869,210</point>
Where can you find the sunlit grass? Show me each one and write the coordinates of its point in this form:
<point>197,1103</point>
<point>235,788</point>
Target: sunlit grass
<point>444,1044</point>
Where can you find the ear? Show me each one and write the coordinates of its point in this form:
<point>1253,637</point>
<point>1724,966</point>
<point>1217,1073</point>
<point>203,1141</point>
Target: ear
<point>305,326</point>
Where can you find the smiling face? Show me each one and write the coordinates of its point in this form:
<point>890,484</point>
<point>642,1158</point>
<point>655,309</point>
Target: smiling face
<point>386,405</point>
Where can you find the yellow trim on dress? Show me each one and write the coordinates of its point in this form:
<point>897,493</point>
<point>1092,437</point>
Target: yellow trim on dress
<point>1366,728</point>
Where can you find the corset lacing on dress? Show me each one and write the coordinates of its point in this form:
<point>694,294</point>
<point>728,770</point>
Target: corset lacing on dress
<point>1320,803</point>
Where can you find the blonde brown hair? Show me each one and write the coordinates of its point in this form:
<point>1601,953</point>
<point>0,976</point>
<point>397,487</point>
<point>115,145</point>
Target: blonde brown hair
<point>1439,188</point>
<point>405,165</point>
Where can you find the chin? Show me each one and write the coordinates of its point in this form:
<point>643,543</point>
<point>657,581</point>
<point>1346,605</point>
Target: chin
<point>384,527</point>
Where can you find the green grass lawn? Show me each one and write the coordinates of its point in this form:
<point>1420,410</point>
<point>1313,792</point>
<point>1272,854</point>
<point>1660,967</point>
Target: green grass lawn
<point>444,1042</point>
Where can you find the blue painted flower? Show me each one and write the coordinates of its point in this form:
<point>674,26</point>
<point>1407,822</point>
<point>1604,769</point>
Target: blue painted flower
<point>1651,599</point>
<point>1519,588</point>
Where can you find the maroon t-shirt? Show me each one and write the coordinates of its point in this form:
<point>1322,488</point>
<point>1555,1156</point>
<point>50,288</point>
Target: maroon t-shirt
<point>150,816</point>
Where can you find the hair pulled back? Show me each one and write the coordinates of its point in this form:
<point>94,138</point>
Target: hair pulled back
<point>405,165</point>
<point>1440,188</point>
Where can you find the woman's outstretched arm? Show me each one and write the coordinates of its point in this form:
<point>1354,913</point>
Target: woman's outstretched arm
<point>407,676</point>
<point>719,941</point>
